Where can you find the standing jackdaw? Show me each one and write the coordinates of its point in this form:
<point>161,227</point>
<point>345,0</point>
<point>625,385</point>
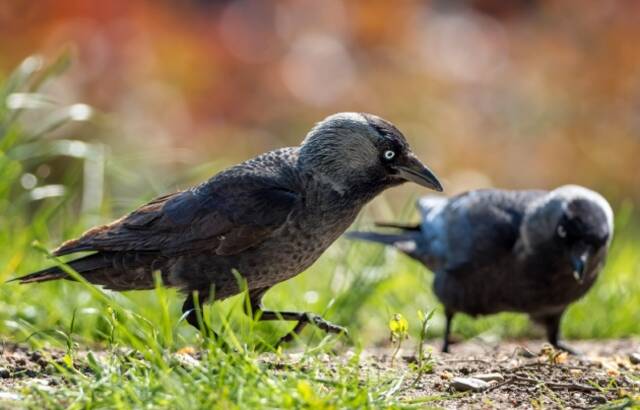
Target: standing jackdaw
<point>268,218</point>
<point>495,250</point>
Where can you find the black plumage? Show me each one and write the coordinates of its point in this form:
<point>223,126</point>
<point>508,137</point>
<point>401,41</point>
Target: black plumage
<point>496,250</point>
<point>268,218</point>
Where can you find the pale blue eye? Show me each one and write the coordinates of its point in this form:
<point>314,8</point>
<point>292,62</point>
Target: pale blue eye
<point>389,155</point>
<point>561,231</point>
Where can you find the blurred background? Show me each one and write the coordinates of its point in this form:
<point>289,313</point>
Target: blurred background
<point>111,103</point>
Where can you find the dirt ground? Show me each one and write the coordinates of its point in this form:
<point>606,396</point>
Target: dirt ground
<point>523,375</point>
<point>515,375</point>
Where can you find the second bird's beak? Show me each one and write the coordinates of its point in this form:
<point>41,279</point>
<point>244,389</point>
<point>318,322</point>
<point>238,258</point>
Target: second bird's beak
<point>579,259</point>
<point>415,171</point>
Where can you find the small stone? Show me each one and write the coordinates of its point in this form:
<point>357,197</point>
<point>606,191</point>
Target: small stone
<point>187,360</point>
<point>468,384</point>
<point>575,372</point>
<point>9,396</point>
<point>489,377</point>
<point>634,358</point>
<point>41,384</point>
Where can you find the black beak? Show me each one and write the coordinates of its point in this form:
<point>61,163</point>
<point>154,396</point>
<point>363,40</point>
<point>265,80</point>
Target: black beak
<point>415,171</point>
<point>579,259</point>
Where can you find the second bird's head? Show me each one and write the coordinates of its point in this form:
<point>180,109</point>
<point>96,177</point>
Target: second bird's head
<point>362,151</point>
<point>574,221</point>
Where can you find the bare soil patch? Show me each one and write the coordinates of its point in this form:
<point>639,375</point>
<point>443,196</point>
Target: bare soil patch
<point>523,375</point>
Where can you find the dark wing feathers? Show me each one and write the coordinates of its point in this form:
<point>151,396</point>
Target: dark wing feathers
<point>84,264</point>
<point>407,241</point>
<point>482,226</point>
<point>229,213</point>
<point>148,213</point>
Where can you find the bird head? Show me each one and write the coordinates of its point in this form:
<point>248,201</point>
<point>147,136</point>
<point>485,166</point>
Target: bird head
<point>574,219</point>
<point>359,150</point>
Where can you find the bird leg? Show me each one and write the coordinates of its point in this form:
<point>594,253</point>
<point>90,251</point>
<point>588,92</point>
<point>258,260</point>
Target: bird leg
<point>552,326</point>
<point>447,331</point>
<point>191,315</point>
<point>303,318</point>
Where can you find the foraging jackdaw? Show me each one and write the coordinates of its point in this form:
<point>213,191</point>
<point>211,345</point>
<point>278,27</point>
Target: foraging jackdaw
<point>495,250</point>
<point>268,218</point>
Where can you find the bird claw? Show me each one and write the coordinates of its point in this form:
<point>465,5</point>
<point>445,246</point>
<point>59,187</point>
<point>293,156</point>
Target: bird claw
<point>316,320</point>
<point>566,348</point>
<point>319,322</point>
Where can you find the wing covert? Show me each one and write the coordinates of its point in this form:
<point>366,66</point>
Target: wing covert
<point>225,215</point>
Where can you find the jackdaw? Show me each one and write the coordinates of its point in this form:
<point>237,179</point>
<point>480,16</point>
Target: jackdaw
<point>268,219</point>
<point>496,250</point>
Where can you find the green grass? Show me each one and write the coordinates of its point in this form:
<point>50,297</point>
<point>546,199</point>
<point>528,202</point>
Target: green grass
<point>137,334</point>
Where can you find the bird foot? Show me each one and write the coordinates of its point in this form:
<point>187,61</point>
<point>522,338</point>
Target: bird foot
<point>325,325</point>
<point>566,348</point>
<point>316,320</point>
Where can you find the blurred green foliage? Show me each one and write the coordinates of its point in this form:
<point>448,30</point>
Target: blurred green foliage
<point>358,285</point>
<point>516,94</point>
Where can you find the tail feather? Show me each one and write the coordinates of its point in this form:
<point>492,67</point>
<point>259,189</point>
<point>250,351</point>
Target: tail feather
<point>408,241</point>
<point>404,227</point>
<point>383,238</point>
<point>82,265</point>
<point>44,275</point>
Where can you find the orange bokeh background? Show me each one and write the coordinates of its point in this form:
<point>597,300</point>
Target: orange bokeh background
<point>517,94</point>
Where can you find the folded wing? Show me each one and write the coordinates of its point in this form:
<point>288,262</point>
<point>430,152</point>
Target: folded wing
<point>225,215</point>
<point>482,227</point>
